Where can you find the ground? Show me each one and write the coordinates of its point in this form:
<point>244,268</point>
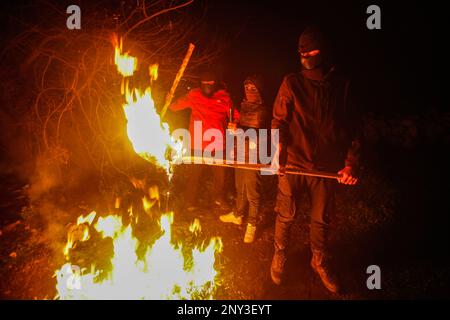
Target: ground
<point>408,247</point>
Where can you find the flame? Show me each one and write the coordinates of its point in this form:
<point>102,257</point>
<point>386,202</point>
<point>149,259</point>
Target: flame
<point>195,227</point>
<point>80,231</point>
<point>166,270</point>
<point>88,219</point>
<point>150,137</point>
<point>126,64</point>
<point>163,273</point>
<point>153,72</point>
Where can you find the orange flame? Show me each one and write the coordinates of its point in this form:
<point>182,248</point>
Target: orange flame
<point>149,136</point>
<point>163,273</point>
<point>126,64</point>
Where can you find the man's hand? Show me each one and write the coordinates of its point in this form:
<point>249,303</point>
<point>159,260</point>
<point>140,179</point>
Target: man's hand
<point>348,176</point>
<point>232,127</point>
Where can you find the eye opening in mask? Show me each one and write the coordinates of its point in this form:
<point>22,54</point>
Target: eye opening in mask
<point>209,82</point>
<point>250,87</point>
<point>308,54</point>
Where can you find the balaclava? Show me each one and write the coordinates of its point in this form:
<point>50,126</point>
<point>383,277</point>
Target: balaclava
<point>208,89</point>
<point>252,88</point>
<point>313,39</point>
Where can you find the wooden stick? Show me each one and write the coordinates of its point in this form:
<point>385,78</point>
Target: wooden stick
<point>260,167</point>
<point>177,79</point>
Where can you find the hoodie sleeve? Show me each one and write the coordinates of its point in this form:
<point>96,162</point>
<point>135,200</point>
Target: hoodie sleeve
<point>184,102</point>
<point>236,115</point>
<point>355,129</point>
<point>282,109</point>
<point>229,106</point>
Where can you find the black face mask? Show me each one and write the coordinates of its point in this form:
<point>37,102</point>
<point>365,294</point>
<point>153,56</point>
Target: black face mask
<point>207,90</point>
<point>311,63</point>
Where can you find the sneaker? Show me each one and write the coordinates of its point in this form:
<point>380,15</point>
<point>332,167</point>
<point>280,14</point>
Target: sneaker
<point>231,218</point>
<point>320,266</point>
<point>277,266</point>
<point>250,233</point>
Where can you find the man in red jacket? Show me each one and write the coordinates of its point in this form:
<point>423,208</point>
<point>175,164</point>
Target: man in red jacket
<point>210,107</point>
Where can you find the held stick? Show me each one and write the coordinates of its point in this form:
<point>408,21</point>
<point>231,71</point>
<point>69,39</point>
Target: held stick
<point>177,79</point>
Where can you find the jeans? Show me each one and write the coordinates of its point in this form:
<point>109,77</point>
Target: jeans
<point>248,194</point>
<point>321,193</point>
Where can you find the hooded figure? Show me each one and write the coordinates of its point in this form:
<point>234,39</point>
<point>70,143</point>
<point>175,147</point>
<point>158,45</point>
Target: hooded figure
<point>253,115</point>
<point>317,124</point>
<point>211,107</point>
<point>312,40</point>
<point>209,83</point>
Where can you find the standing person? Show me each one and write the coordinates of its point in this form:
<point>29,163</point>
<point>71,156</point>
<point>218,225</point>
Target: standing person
<point>317,126</point>
<point>254,114</point>
<point>210,104</point>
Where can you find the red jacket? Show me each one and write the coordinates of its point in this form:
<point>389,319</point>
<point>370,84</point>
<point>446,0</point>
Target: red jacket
<point>212,112</point>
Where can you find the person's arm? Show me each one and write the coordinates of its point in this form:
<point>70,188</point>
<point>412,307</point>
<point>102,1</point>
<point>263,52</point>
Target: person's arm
<point>182,103</point>
<point>232,123</point>
<point>282,109</point>
<point>351,165</point>
<point>236,115</point>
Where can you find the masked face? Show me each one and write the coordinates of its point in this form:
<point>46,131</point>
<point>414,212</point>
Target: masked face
<point>252,93</point>
<point>208,88</point>
<point>311,60</point>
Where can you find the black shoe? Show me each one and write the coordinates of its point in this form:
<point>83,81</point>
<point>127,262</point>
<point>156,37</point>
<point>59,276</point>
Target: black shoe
<point>320,265</point>
<point>277,266</point>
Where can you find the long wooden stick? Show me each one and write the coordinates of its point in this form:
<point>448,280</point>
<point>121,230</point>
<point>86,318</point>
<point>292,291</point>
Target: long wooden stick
<point>259,167</point>
<point>177,79</point>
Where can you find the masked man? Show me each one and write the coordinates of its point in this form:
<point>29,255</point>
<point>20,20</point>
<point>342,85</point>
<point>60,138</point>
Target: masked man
<point>317,127</point>
<point>254,115</point>
<point>210,105</point>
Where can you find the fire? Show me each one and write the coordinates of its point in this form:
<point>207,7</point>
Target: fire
<point>150,137</point>
<point>126,64</point>
<point>79,231</point>
<point>164,272</point>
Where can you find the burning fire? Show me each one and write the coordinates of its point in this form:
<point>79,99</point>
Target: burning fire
<point>126,65</point>
<point>166,270</point>
<point>163,273</point>
<point>150,137</point>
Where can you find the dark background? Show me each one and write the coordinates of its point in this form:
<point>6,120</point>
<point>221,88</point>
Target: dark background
<point>397,74</point>
<point>395,68</point>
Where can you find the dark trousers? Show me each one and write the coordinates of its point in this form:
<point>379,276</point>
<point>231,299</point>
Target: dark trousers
<point>248,194</point>
<point>197,176</point>
<point>321,192</point>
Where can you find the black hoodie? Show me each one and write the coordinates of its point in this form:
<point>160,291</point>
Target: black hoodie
<point>317,120</point>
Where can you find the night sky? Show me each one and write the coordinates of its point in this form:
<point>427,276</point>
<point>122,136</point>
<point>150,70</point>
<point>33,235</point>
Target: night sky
<point>393,69</point>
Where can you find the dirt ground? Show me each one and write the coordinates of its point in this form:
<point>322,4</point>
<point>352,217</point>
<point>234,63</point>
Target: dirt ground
<point>410,267</point>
